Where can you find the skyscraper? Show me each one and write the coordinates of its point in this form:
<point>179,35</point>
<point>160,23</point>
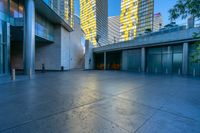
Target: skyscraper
<point>94,20</point>
<point>113,29</point>
<point>64,8</point>
<point>158,22</point>
<point>136,17</point>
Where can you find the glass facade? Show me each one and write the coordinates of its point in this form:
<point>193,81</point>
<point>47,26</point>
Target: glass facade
<point>94,20</point>
<point>194,67</point>
<point>64,8</point>
<point>4,6</point>
<point>145,16</point>
<point>88,19</point>
<point>4,44</point>
<point>166,59</point>
<point>4,10</point>
<point>16,8</point>
<point>12,13</point>
<point>43,28</point>
<point>134,60</point>
<point>136,17</point>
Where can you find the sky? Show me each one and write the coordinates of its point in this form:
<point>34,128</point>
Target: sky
<point>161,6</point>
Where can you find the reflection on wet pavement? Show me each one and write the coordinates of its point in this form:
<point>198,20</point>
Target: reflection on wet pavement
<point>100,102</point>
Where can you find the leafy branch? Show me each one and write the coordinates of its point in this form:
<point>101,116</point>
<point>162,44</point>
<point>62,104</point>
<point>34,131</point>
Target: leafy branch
<point>183,9</point>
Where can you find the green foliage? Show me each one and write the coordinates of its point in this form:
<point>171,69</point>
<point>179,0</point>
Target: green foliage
<point>183,9</point>
<point>195,57</point>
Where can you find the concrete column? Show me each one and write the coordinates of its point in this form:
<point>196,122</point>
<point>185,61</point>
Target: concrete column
<point>7,55</point>
<point>185,58</point>
<point>29,37</point>
<point>104,60</point>
<point>124,60</point>
<point>143,59</point>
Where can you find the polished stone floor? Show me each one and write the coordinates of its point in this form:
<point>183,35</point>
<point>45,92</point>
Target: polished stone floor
<point>100,102</point>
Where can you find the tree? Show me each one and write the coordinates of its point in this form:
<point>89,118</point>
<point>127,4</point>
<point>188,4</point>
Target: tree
<point>183,9</point>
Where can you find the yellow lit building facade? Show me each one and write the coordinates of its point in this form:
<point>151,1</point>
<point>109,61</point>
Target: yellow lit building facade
<point>64,8</point>
<point>88,19</point>
<point>94,20</point>
<point>68,6</point>
<point>136,17</point>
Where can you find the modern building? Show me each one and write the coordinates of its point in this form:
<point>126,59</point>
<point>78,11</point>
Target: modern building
<point>158,22</point>
<point>136,18</point>
<point>37,34</point>
<point>94,20</point>
<point>164,52</point>
<point>113,29</point>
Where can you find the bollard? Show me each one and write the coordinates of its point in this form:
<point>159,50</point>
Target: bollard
<point>13,74</point>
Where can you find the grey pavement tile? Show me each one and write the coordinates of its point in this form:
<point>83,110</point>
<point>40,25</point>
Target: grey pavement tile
<point>185,103</point>
<point>126,114</point>
<point>78,120</point>
<point>149,97</point>
<point>163,122</point>
<point>99,101</point>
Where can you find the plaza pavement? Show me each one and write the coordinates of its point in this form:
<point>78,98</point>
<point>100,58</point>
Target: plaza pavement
<point>100,102</point>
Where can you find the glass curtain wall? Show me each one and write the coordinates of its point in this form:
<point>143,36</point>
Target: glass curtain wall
<point>4,10</point>
<point>3,47</point>
<point>154,60</point>
<point>64,8</point>
<point>16,8</point>
<point>166,59</point>
<point>177,59</point>
<point>44,28</point>
<point>4,16</point>
<point>134,60</point>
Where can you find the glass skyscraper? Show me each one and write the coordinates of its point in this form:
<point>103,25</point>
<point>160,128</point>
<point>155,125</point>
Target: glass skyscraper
<point>136,18</point>
<point>64,8</point>
<point>94,20</point>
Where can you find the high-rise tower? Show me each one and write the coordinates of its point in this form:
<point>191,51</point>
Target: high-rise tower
<point>94,20</point>
<point>158,22</point>
<point>113,29</point>
<point>136,17</point>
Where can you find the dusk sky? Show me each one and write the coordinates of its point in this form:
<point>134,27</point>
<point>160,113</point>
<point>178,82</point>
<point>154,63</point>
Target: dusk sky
<point>162,6</point>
